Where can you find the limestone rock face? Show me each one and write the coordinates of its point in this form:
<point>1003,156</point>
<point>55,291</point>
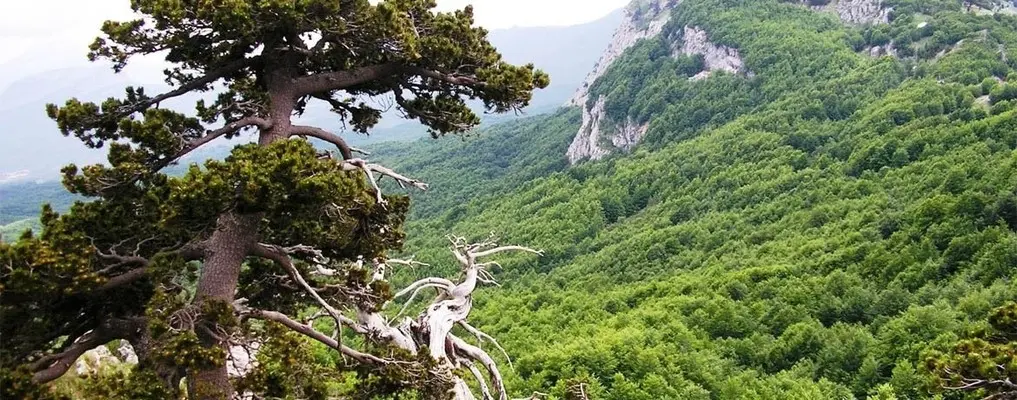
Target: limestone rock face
<point>862,12</point>
<point>125,352</point>
<point>93,361</point>
<point>1007,7</point>
<point>586,143</point>
<point>695,41</point>
<point>879,51</point>
<point>241,360</point>
<point>857,12</point>
<point>629,135</point>
<point>643,19</point>
<point>597,136</point>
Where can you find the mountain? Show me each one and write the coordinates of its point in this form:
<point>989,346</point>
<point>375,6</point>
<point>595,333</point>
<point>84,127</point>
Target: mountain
<point>565,53</point>
<point>30,142</point>
<point>746,200</point>
<point>819,199</point>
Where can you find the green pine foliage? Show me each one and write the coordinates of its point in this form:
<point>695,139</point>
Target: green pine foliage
<point>986,363</point>
<point>830,226</point>
<point>181,266</point>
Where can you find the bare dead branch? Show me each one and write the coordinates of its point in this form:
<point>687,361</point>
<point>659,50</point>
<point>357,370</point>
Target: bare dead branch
<point>413,296</point>
<point>370,169</point>
<point>432,328</point>
<point>506,248</point>
<point>535,396</point>
<point>975,384</point>
<point>481,337</point>
<point>484,389</point>
<point>477,354</point>
<point>279,255</point>
<point>437,282</point>
<point>460,390</point>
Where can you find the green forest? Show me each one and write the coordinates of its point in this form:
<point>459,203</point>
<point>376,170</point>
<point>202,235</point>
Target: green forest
<point>816,231</point>
<point>832,226</point>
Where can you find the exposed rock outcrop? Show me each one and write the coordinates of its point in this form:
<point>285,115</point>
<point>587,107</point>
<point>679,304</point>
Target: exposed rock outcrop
<point>241,360</point>
<point>94,360</point>
<point>586,143</point>
<point>629,134</point>
<point>858,12</point>
<point>125,352</point>
<point>1008,7</point>
<point>596,131</point>
<point>643,19</point>
<point>879,51</point>
<point>695,41</point>
<point>862,11</point>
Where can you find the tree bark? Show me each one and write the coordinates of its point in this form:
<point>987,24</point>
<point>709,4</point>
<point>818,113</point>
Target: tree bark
<point>227,248</point>
<point>237,236</point>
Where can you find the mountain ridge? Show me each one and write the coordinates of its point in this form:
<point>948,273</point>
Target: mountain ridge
<point>819,229</point>
<point>31,141</point>
<point>819,223</point>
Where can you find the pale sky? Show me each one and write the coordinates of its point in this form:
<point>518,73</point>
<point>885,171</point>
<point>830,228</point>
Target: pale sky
<point>62,29</point>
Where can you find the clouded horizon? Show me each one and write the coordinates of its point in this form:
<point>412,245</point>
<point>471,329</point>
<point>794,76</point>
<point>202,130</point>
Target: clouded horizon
<point>49,34</point>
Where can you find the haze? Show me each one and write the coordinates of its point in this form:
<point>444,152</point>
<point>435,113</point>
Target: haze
<point>50,34</point>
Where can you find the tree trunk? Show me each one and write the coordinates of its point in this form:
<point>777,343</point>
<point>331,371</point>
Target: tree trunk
<point>227,247</point>
<point>237,235</point>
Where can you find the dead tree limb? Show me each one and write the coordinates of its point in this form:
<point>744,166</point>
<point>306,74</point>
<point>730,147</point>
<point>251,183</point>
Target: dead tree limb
<point>430,331</point>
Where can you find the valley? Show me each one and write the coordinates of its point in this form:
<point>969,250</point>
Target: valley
<point>815,229</point>
<point>743,200</point>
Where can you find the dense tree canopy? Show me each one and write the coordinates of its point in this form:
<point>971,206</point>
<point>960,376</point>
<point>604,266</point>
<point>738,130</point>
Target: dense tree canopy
<point>834,226</point>
<point>820,231</point>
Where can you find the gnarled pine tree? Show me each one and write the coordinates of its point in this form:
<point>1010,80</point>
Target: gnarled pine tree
<point>227,255</point>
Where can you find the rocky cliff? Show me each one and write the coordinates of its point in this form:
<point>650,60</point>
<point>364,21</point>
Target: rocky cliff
<point>597,136</point>
<point>862,11</point>
<point>643,19</point>
<point>695,41</point>
<point>858,12</point>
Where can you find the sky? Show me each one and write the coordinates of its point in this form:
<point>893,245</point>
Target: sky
<point>40,34</point>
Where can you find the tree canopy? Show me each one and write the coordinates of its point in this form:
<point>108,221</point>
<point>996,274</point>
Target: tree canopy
<point>188,268</point>
<point>836,225</point>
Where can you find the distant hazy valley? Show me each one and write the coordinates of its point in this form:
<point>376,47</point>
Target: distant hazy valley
<point>31,148</point>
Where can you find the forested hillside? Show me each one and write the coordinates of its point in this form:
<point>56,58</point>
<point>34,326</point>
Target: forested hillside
<point>834,217</point>
<point>815,229</point>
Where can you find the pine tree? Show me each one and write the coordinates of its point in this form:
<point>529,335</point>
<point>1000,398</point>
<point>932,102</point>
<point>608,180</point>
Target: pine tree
<point>235,250</point>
